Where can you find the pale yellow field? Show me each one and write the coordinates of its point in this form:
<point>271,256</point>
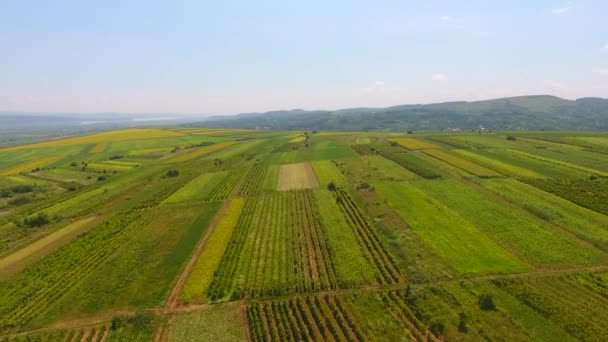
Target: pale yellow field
<point>195,153</point>
<point>44,246</point>
<point>26,167</point>
<point>207,131</point>
<point>100,147</point>
<point>297,139</point>
<point>105,137</point>
<point>297,176</point>
<point>414,144</point>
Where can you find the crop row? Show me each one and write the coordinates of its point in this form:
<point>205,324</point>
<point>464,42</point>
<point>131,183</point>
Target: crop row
<point>318,318</point>
<point>278,246</point>
<point>388,270</point>
<point>592,193</point>
<point>42,284</point>
<point>93,334</point>
<point>206,264</point>
<point>225,188</point>
<point>414,144</point>
<point>576,308</point>
<point>410,162</point>
<point>463,164</point>
<point>253,181</point>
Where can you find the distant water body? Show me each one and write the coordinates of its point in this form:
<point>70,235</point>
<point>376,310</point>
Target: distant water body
<point>157,118</point>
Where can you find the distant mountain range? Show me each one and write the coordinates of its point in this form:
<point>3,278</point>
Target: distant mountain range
<point>538,112</point>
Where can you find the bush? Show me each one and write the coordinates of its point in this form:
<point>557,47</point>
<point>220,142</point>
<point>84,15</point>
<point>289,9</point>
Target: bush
<point>21,200</point>
<point>21,189</point>
<point>331,186</point>
<point>511,138</point>
<point>73,164</point>
<point>486,303</point>
<point>437,328</point>
<point>37,220</point>
<point>101,178</point>
<point>462,323</point>
<point>172,173</point>
<point>116,156</point>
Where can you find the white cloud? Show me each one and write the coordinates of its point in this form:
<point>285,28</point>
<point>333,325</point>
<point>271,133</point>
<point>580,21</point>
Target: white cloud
<point>601,71</point>
<point>445,18</point>
<point>374,87</point>
<point>563,9</point>
<point>605,48</point>
<point>439,77</point>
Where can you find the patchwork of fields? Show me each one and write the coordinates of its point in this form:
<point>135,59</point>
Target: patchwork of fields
<point>194,234</point>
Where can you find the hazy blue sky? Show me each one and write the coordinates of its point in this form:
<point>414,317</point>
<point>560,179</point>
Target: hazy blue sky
<point>235,56</point>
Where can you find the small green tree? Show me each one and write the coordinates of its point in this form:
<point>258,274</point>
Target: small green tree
<point>331,186</point>
<point>486,303</point>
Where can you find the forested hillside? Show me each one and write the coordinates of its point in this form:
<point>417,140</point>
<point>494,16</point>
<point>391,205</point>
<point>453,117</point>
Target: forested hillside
<point>541,112</point>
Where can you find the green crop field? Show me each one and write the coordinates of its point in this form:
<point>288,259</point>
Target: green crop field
<point>201,234</point>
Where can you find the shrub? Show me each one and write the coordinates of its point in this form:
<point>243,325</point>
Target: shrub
<point>21,189</point>
<point>21,200</point>
<point>462,323</point>
<point>37,220</point>
<point>116,156</point>
<point>437,328</point>
<point>172,173</point>
<point>73,164</point>
<point>511,138</point>
<point>486,303</point>
<point>101,178</point>
<point>331,186</point>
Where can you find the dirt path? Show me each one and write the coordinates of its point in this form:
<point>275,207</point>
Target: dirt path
<point>172,301</point>
<point>107,316</point>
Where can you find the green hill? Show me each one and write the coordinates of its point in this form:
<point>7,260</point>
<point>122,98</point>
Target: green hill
<point>538,112</point>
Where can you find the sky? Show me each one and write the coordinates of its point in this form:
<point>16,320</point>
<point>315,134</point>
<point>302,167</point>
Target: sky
<point>249,56</point>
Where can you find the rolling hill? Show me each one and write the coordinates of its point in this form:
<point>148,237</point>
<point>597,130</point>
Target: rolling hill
<point>538,112</point>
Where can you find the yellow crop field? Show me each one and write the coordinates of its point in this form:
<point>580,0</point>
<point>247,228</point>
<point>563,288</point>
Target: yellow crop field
<point>100,147</point>
<point>19,259</point>
<point>120,135</point>
<point>25,167</point>
<point>207,262</point>
<point>466,165</point>
<point>297,176</point>
<point>414,144</point>
<point>297,139</point>
<point>195,153</point>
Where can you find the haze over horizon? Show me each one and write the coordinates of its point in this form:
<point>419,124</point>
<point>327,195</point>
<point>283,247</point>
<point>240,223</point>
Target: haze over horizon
<point>236,56</point>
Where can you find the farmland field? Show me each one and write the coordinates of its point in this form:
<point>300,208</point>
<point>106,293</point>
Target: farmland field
<point>201,234</point>
<point>296,177</point>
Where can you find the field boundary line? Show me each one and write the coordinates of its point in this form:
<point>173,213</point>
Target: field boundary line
<point>179,285</point>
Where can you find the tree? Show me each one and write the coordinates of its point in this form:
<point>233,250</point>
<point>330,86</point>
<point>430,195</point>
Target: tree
<point>331,186</point>
<point>73,164</point>
<point>486,303</point>
<point>511,138</point>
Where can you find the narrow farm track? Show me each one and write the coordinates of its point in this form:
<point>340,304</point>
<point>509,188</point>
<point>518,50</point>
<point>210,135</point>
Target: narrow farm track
<point>177,309</point>
<point>179,285</point>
